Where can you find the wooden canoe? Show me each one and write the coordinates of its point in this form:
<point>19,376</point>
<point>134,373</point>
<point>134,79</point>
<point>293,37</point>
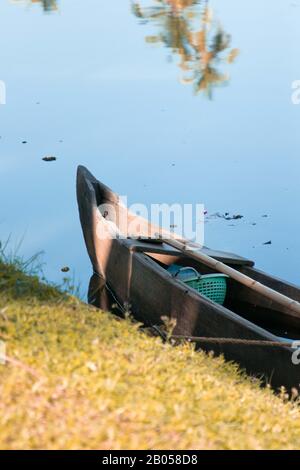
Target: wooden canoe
<point>133,272</point>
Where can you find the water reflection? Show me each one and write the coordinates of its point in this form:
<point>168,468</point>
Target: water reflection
<point>189,29</point>
<point>48,5</point>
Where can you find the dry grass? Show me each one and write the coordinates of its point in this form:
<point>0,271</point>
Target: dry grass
<point>82,379</point>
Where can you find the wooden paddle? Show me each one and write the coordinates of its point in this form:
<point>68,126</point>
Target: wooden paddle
<point>247,281</point>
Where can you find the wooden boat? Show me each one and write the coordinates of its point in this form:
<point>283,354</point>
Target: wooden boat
<point>134,272</point>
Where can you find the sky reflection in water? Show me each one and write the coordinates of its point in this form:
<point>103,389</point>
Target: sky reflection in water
<point>89,83</point>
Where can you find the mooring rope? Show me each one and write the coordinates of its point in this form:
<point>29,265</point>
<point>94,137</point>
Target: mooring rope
<point>106,285</point>
<point>243,342</point>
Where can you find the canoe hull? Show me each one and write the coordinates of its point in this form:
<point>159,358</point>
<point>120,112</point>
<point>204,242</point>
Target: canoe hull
<point>135,280</point>
<point>150,296</point>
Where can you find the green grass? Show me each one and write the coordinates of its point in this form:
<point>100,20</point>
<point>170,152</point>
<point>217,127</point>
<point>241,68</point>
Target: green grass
<point>78,378</point>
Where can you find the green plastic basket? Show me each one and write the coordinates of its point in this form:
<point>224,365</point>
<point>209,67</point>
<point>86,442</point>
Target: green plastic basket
<point>212,286</point>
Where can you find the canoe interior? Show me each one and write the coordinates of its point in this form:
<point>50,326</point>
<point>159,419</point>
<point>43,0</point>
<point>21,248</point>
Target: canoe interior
<point>249,304</point>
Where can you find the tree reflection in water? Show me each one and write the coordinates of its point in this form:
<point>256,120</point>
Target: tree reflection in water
<point>48,5</point>
<point>189,29</point>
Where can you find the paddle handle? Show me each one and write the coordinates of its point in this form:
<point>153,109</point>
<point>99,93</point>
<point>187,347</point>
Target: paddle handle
<point>247,281</point>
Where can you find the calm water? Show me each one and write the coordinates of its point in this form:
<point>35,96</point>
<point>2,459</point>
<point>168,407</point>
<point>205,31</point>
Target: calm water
<point>165,101</point>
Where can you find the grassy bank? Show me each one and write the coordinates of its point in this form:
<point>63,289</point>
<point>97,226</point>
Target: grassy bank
<point>79,378</point>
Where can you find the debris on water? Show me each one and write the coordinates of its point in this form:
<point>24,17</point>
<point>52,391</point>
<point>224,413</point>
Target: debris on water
<point>65,269</point>
<point>265,216</point>
<point>49,159</point>
<point>24,142</point>
<point>226,216</point>
<point>254,223</point>
<point>268,243</point>
<point>215,215</point>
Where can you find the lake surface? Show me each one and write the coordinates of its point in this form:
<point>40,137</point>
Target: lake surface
<point>164,101</point>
